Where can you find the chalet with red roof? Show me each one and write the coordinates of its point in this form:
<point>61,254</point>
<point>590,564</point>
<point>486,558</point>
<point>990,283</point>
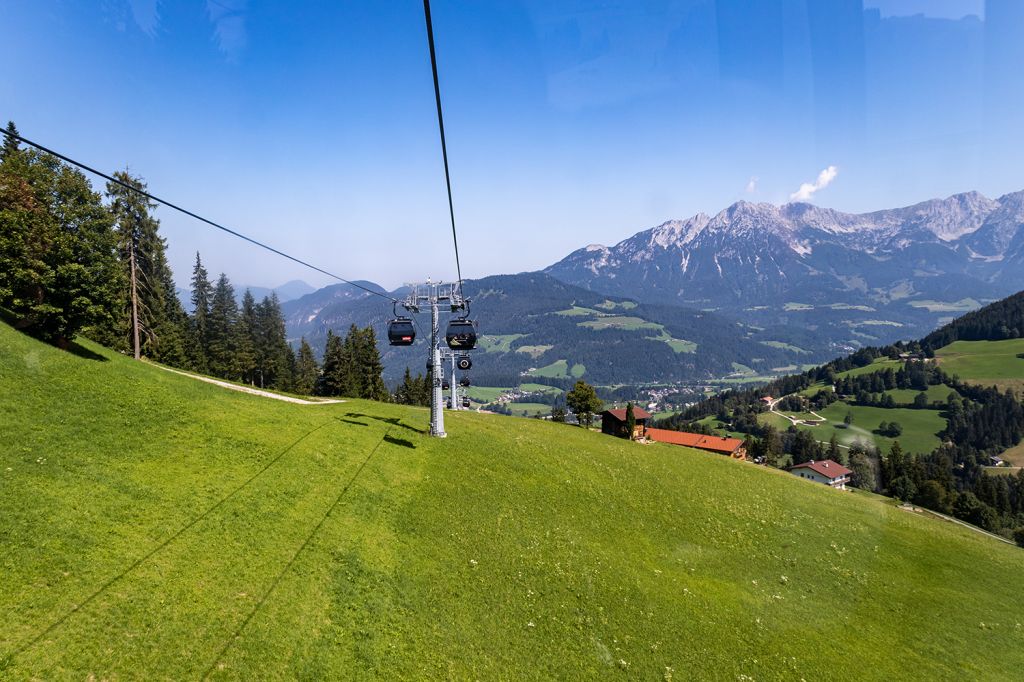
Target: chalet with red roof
<point>613,422</point>
<point>832,474</point>
<point>730,447</point>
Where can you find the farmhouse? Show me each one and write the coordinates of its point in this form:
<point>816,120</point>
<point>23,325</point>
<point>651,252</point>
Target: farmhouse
<point>731,447</point>
<point>825,471</point>
<point>613,422</point>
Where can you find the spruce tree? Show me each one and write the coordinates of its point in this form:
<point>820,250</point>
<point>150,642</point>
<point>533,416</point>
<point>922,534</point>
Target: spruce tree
<point>306,370</point>
<point>202,295</point>
<point>334,377</point>
<point>274,357</point>
<point>630,420</point>
<point>10,146</point>
<point>369,367</point>
<point>143,254</point>
<point>245,342</point>
<point>220,330</point>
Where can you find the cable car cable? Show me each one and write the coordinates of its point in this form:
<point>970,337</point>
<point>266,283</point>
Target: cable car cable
<point>191,214</point>
<point>444,146</point>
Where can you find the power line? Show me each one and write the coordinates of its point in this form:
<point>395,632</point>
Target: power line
<point>440,125</point>
<point>198,217</point>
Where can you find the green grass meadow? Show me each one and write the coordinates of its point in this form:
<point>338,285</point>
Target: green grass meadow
<point>919,426</point>
<point>157,527</point>
<point>985,362</point>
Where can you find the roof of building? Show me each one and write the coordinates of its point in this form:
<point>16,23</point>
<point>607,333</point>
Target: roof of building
<point>621,414</point>
<point>696,440</point>
<point>825,467</point>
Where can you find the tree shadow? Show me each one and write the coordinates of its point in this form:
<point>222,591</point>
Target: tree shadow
<point>399,441</point>
<point>72,347</point>
<point>81,351</point>
<point>351,421</point>
<point>394,421</point>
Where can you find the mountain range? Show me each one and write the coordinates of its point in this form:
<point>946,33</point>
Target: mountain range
<point>754,290</point>
<point>855,278</point>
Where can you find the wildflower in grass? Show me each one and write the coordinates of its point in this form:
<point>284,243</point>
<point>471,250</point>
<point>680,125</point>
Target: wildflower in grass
<point>783,580</point>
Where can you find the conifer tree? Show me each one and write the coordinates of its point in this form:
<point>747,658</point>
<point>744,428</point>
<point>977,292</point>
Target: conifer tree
<point>306,370</point>
<point>149,303</point>
<point>10,145</point>
<point>630,420</point>
<point>274,357</point>
<point>334,375</point>
<point>220,330</point>
<point>245,342</point>
<point>202,295</point>
<point>368,367</point>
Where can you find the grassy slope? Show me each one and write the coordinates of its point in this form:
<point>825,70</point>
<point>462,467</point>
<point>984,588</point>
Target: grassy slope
<point>919,426</point>
<point>985,362</point>
<point>200,529</point>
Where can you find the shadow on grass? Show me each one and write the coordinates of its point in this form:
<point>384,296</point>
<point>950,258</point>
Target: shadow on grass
<point>72,347</point>
<point>393,421</point>
<point>399,441</point>
<point>351,421</point>
<point>81,351</point>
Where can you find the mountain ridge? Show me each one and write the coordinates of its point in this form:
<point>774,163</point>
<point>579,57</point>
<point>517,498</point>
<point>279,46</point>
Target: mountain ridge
<point>904,262</point>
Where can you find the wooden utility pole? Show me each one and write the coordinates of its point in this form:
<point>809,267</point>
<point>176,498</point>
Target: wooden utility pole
<point>135,301</point>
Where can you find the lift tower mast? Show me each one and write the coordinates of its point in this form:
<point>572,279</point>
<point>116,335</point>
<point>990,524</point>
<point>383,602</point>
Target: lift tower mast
<point>435,296</point>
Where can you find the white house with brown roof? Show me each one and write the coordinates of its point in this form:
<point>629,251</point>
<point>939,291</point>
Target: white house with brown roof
<point>832,474</point>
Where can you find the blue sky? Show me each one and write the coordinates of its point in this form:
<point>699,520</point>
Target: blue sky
<point>311,125</point>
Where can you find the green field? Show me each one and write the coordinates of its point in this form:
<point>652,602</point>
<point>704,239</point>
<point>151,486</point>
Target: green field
<point>784,346</point>
<point>678,345</point>
<point>528,409</point>
<point>612,305</point>
<point>878,365</point>
<point>964,305</point>
<point>906,396</point>
<point>985,362</point>
<point>559,369</point>
<point>156,527</point>
<point>534,351</point>
<point>498,343</point>
<point>620,322</point>
<point>577,311</point>
<point>485,394</point>
<point>543,388</point>
<point>919,426</point>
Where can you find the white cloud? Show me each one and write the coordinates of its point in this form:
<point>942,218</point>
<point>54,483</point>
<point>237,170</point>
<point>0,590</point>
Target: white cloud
<point>808,189</point>
<point>228,17</point>
<point>146,14</point>
<point>751,185</point>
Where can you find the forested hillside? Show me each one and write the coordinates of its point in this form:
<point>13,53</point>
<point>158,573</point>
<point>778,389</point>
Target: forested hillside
<point>997,321</point>
<point>939,434</point>
<point>531,321</point>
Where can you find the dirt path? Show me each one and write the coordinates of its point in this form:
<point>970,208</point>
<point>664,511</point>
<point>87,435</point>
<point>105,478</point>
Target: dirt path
<point>249,389</point>
<point>922,510</point>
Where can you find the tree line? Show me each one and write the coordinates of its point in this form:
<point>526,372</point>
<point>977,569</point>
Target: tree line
<point>73,261</point>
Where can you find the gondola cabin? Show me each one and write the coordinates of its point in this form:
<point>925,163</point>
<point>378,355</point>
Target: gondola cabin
<point>461,334</point>
<point>401,332</point>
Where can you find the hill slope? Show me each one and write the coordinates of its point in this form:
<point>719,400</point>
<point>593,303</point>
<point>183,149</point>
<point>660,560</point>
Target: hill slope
<point>532,320</point>
<point>156,526</point>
